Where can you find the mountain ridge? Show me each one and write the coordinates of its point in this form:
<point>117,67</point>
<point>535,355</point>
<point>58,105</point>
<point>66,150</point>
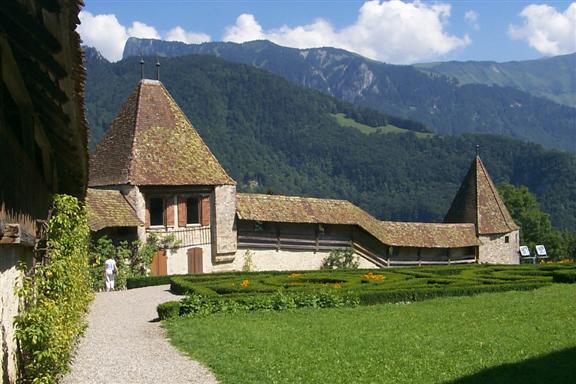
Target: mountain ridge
<point>438,101</point>
<point>270,134</point>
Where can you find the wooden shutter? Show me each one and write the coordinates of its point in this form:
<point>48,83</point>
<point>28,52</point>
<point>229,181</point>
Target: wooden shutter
<point>205,210</point>
<point>169,211</point>
<point>181,211</point>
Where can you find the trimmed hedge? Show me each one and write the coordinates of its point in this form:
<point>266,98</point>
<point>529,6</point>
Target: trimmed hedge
<point>564,276</point>
<point>183,286</point>
<point>147,281</point>
<point>419,294</point>
<point>168,310</point>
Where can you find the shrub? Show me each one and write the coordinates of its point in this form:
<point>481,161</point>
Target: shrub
<point>340,259</point>
<point>55,297</point>
<point>168,310</point>
<point>568,276</point>
<point>147,281</point>
<point>419,294</point>
<point>183,286</point>
<point>199,305</point>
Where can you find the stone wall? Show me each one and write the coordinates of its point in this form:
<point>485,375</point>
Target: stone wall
<point>283,260</point>
<point>223,214</point>
<point>10,255</point>
<point>136,199</point>
<point>495,249</point>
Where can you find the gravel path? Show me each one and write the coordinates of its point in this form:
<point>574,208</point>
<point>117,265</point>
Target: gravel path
<point>123,343</point>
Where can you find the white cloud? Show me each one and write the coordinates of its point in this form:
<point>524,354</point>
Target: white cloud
<point>103,32</point>
<point>393,31</point>
<point>108,36</point>
<point>142,30</point>
<point>548,31</point>
<point>179,34</point>
<point>471,18</point>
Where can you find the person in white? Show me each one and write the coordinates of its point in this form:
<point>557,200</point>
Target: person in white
<point>109,273</point>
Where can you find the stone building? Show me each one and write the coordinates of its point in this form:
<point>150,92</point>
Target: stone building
<point>43,137</point>
<point>478,202</point>
<point>156,165</point>
<point>159,164</point>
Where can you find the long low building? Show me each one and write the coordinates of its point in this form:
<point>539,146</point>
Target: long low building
<point>153,173</point>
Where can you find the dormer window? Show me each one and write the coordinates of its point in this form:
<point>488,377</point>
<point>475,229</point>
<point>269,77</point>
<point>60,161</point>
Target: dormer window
<point>192,210</point>
<point>156,210</point>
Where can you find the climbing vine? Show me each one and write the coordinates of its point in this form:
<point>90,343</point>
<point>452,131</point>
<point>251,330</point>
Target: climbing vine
<point>55,295</point>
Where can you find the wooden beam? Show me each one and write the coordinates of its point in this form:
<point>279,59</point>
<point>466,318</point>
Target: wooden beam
<point>28,47</point>
<point>50,5</point>
<point>15,18</point>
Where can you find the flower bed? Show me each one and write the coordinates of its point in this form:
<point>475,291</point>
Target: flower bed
<point>249,291</point>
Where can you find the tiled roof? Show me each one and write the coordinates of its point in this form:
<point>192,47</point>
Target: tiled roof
<point>291,209</point>
<point>108,208</point>
<point>151,142</point>
<point>429,235</point>
<point>479,202</point>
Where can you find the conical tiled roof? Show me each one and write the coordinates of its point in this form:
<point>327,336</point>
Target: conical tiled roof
<point>151,142</point>
<point>479,202</point>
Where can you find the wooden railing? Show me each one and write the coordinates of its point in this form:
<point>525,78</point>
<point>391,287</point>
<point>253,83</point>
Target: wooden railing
<point>279,242</point>
<point>255,240</point>
<point>187,237</point>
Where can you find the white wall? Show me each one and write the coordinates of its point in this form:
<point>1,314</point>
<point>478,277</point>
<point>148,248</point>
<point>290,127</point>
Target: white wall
<point>283,260</point>
<point>178,260</point>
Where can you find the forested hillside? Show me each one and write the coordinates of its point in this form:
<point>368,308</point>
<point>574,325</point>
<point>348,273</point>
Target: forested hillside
<point>553,78</point>
<point>436,100</point>
<point>270,134</point>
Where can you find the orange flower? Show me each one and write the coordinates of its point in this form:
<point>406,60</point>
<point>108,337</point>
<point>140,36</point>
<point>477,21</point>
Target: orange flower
<point>244,283</point>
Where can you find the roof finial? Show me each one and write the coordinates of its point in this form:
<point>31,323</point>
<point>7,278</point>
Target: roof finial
<point>477,150</point>
<point>141,66</point>
<point>157,68</point>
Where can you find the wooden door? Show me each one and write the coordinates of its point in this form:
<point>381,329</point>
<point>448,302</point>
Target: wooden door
<point>194,260</point>
<point>159,265</point>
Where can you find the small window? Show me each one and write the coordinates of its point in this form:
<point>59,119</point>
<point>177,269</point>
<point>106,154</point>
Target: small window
<point>506,239</point>
<point>156,211</point>
<point>192,210</point>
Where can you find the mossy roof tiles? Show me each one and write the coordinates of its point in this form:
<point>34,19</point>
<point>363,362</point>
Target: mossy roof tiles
<point>109,208</point>
<point>151,142</point>
<point>478,202</point>
<point>292,209</point>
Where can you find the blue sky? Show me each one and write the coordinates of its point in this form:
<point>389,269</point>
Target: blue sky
<point>396,31</point>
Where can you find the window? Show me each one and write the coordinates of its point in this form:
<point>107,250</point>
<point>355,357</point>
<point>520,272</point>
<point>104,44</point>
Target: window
<point>506,239</point>
<point>192,210</point>
<point>156,211</point>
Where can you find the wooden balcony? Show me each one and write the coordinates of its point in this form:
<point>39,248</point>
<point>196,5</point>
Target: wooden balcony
<point>186,237</point>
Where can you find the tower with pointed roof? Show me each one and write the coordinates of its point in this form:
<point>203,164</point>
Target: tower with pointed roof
<point>153,156</point>
<point>478,202</point>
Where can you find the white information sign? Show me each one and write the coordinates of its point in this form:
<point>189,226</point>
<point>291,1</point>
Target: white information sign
<point>524,250</point>
<point>541,250</point>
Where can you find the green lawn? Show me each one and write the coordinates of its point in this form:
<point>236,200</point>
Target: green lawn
<point>524,337</point>
<point>347,122</point>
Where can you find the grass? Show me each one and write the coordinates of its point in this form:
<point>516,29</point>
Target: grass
<point>506,337</point>
<point>344,121</point>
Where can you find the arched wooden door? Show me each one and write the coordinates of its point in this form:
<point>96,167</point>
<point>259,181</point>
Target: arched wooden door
<point>194,260</point>
<point>159,265</point>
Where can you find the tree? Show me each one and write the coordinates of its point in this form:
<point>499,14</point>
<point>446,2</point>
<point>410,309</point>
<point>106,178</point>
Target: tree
<point>535,225</point>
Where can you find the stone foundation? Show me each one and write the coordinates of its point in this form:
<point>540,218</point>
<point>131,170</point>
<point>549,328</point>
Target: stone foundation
<point>10,277</point>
